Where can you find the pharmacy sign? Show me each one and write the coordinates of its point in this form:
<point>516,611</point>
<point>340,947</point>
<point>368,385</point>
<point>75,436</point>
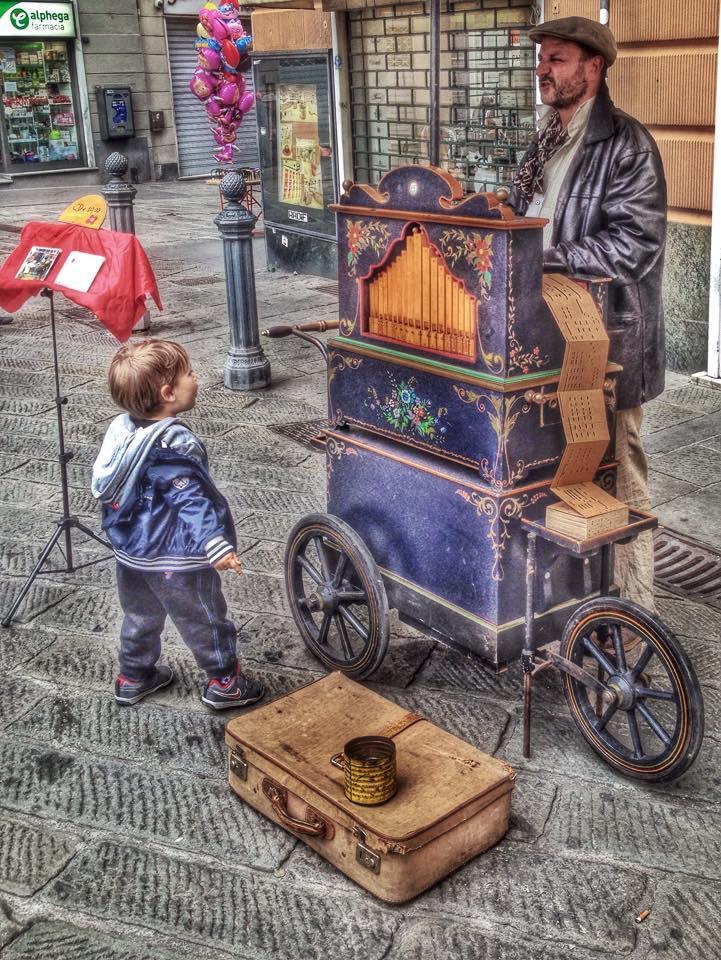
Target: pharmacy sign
<point>29,20</point>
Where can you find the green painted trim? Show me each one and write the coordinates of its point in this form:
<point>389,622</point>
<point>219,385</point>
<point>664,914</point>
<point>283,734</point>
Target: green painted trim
<point>440,365</point>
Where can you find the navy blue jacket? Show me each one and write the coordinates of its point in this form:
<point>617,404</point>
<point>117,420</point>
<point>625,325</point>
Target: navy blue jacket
<point>168,515</point>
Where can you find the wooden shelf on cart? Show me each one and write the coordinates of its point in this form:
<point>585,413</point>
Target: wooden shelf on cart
<point>639,521</point>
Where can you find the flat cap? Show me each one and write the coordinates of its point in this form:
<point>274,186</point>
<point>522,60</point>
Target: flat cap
<point>581,30</point>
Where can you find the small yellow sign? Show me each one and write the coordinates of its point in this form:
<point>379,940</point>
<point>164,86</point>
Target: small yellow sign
<point>88,211</point>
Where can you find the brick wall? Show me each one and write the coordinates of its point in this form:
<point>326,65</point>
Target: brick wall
<point>487,88</point>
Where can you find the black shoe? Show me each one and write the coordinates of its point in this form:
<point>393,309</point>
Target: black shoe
<point>130,691</point>
<point>235,690</point>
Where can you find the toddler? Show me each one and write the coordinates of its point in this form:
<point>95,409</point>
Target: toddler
<point>170,528</point>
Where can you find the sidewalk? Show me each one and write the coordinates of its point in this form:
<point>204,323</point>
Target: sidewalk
<point>120,839</point>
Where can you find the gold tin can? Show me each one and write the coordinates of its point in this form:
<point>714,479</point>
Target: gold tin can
<point>369,770</point>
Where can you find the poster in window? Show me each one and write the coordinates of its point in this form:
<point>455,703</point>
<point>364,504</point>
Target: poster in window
<point>300,181</point>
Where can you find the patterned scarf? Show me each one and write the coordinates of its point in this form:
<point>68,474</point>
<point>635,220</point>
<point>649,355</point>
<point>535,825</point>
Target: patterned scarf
<point>529,176</point>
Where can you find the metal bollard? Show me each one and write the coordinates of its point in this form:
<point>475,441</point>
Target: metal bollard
<point>246,366</point>
<point>119,196</point>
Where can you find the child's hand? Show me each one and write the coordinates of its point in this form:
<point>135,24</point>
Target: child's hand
<point>230,562</point>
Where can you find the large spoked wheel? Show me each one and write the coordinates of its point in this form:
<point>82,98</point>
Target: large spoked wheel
<point>337,595</point>
<point>649,722</point>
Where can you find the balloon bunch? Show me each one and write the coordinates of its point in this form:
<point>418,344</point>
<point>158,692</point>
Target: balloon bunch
<point>218,82</point>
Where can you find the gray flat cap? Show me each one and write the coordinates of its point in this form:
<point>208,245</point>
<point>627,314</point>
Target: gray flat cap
<point>580,30</point>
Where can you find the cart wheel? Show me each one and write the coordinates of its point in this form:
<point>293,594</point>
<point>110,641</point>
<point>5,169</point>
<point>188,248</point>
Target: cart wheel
<point>653,727</point>
<point>337,595</point>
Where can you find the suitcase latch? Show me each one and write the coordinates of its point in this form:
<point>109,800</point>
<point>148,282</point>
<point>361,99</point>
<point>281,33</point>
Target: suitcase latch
<point>364,855</point>
<point>238,764</point>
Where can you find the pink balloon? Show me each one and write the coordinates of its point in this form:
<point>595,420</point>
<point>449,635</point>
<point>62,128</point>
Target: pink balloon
<point>208,59</point>
<point>229,93</point>
<point>217,28</point>
<point>201,84</point>
<point>235,29</point>
<point>247,102</point>
<point>225,155</point>
<point>213,107</point>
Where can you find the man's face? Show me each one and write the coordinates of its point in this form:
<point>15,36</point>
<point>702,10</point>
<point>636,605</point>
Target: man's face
<point>565,78</point>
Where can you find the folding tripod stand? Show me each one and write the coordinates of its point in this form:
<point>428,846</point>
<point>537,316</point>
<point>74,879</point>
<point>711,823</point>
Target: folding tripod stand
<point>65,525</point>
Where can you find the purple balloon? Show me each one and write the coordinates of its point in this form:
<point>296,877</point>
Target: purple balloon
<point>247,102</point>
<point>202,84</point>
<point>208,59</point>
<point>213,107</point>
<point>229,93</point>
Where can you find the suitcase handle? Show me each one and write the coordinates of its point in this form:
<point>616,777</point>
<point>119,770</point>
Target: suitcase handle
<point>314,825</point>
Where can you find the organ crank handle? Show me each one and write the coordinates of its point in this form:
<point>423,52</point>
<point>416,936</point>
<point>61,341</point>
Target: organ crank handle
<point>302,330</point>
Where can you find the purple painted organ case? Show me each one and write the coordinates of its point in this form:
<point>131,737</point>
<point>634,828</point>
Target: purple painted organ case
<point>442,384</point>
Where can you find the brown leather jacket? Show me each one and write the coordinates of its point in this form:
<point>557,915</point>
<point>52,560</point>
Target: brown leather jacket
<point>610,220</point>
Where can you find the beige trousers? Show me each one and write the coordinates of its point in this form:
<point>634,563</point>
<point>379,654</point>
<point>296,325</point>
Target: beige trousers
<point>634,561</point>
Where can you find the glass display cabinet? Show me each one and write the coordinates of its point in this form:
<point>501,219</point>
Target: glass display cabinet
<point>296,141</point>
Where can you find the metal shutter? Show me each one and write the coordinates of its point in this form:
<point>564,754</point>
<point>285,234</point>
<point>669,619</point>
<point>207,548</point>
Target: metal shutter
<point>195,142</point>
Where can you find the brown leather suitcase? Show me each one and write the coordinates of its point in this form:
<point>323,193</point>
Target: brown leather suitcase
<point>452,801</point>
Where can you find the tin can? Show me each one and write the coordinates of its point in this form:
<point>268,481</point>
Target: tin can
<point>369,769</point>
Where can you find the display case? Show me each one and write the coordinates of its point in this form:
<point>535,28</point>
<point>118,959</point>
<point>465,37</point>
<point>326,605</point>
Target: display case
<point>39,114</point>
<point>296,138</point>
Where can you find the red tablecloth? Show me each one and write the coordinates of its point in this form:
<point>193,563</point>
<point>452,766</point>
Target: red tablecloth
<point>116,295</point>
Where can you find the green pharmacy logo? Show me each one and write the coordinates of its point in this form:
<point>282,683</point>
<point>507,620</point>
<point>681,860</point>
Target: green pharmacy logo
<point>20,19</point>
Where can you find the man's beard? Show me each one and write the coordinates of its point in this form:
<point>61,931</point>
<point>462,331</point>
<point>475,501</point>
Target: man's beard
<point>568,93</point>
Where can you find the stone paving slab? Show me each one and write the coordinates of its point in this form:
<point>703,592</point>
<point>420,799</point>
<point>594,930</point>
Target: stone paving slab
<point>545,898</point>
<point>20,406</point>
<point>531,805</point>
<point>83,663</point>
<point>276,640</point>
<point>9,929</point>
<point>256,444</point>
<point>688,619</point>
<point>261,917</point>
<point>96,611</point>
<point>684,921</point>
<point>160,737</point>
<point>692,431</point>
<point>40,598</point>
<point>186,812</point>
<point>20,696</point>
<point>308,477</point>
<point>664,488</point>
<point>697,514</point>
<point>428,940</point>
<point>30,856</point>
<point>18,645</point>
<point>621,826</point>
<point>14,490</point>
<point>17,559</point>
<point>695,464</point>
<point>267,526</point>
<point>11,461</point>
<point>659,415</point>
<point>690,397</point>
<point>62,941</point>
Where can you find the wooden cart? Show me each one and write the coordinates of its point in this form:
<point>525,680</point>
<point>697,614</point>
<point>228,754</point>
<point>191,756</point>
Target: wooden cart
<point>444,440</point>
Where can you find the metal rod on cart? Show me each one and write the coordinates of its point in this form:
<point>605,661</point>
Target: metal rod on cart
<point>435,83</point>
<point>606,569</point>
<point>527,655</point>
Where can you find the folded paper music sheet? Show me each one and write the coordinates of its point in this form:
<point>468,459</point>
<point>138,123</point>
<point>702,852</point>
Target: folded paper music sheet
<point>580,396</point>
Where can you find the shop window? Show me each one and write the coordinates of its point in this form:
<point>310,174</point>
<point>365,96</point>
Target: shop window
<point>39,113</point>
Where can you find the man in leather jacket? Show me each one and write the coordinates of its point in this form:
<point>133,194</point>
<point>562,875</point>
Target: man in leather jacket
<point>596,174</point>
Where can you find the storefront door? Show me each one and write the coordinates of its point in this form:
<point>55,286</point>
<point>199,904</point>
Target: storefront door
<point>39,112</point>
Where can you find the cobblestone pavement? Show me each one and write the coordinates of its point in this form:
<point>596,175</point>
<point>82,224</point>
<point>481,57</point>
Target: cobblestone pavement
<point>119,837</point>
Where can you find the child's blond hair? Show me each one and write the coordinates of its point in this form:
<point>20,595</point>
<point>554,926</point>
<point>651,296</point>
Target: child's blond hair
<point>139,370</point>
